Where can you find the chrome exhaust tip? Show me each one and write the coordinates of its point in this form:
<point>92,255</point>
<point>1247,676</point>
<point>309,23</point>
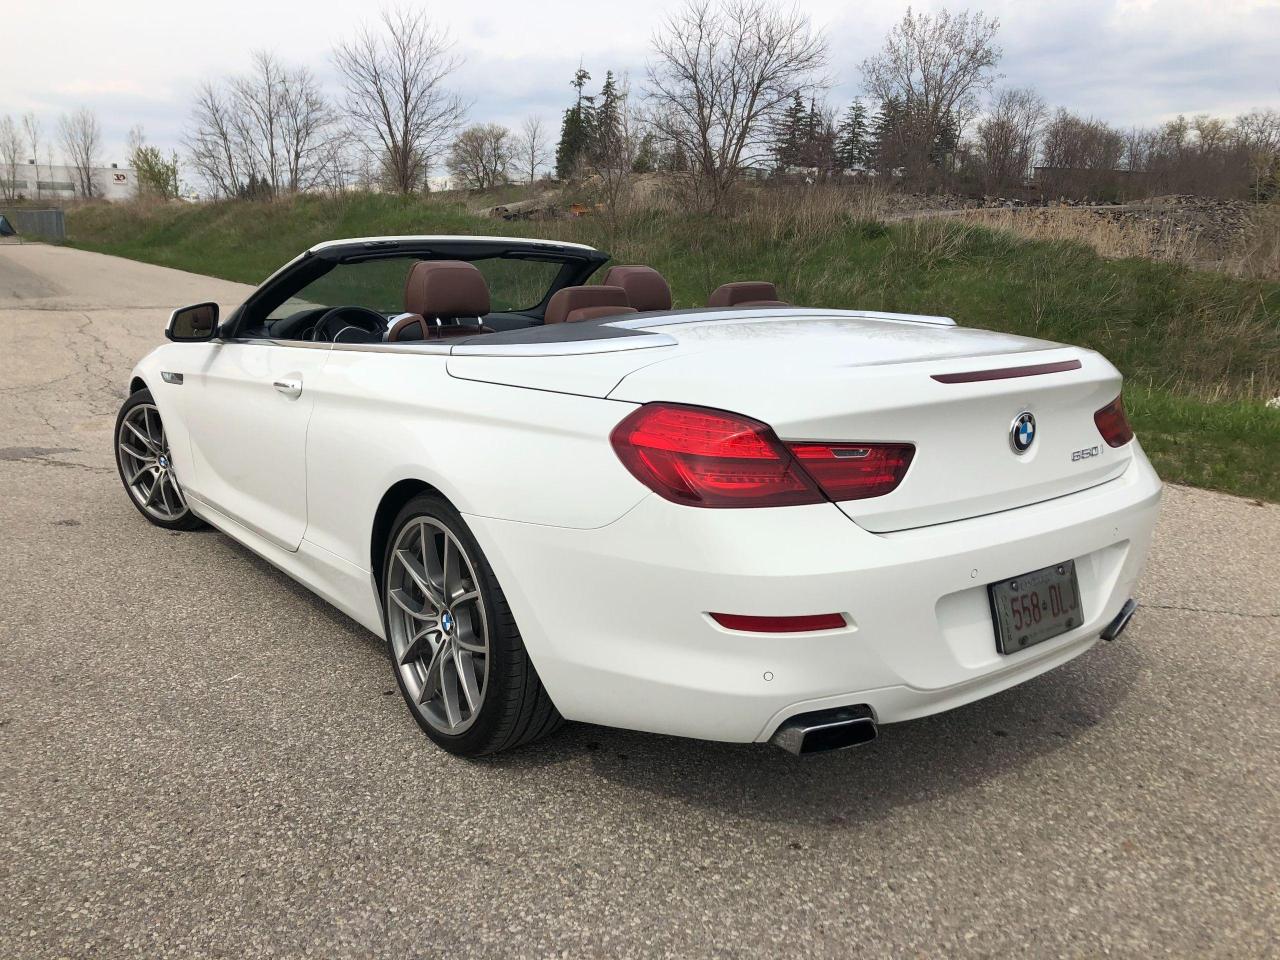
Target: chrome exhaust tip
<point>1116,626</point>
<point>825,730</point>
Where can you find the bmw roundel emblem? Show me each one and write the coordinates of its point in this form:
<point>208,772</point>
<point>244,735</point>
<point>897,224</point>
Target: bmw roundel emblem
<point>1023,433</point>
<point>446,622</point>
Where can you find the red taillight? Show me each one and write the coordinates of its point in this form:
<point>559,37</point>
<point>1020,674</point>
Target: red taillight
<point>848,471</point>
<point>1113,424</point>
<point>802,624</point>
<point>708,458</point>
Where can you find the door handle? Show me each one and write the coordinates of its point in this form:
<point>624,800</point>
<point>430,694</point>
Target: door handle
<point>290,388</point>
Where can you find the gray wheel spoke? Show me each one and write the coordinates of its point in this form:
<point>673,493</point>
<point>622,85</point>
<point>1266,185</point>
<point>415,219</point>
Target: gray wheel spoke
<point>143,455</point>
<point>145,468</point>
<point>449,690</point>
<point>419,645</point>
<point>431,678</point>
<point>420,579</point>
<point>406,603</point>
<point>462,662</point>
<point>446,571</point>
<point>145,438</point>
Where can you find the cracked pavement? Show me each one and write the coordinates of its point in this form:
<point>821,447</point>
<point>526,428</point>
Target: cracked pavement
<point>203,760</point>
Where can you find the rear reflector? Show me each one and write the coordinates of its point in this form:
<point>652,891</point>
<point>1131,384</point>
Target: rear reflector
<point>1113,423</point>
<point>709,458</point>
<point>853,471</point>
<point>817,621</point>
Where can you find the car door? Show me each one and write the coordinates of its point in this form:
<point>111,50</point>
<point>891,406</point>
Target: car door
<point>247,418</point>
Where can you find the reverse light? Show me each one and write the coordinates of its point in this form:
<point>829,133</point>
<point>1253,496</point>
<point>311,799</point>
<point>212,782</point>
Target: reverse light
<point>1113,423</point>
<point>711,458</point>
<point>802,624</point>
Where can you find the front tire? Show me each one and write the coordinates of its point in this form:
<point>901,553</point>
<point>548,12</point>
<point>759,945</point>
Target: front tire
<point>146,468</point>
<point>457,655</point>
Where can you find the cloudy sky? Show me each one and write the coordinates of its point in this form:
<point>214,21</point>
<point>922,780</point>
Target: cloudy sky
<point>136,61</point>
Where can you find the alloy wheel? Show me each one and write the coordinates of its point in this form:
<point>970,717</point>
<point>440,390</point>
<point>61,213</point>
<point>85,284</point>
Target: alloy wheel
<point>146,466</point>
<point>439,628</point>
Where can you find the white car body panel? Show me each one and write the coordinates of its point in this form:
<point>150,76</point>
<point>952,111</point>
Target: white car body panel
<point>611,585</point>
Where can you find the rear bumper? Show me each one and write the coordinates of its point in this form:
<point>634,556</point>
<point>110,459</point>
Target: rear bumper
<point>615,619</point>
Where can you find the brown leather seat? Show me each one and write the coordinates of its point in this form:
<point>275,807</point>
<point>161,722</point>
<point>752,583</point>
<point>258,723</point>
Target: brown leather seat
<point>645,287</point>
<point>746,293</point>
<point>440,296</point>
<point>586,303</point>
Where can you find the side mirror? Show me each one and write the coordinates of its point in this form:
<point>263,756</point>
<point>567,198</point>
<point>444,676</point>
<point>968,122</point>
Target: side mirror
<point>192,324</point>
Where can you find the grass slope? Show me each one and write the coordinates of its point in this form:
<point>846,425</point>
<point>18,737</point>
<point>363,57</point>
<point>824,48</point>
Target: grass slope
<point>1200,351</point>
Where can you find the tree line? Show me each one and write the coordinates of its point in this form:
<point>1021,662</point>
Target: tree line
<point>732,89</point>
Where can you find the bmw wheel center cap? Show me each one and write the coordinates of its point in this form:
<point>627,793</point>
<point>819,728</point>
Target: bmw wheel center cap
<point>1023,433</point>
<point>446,622</point>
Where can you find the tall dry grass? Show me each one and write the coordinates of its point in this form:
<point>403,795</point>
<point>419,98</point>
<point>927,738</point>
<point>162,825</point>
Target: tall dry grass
<point>1255,254</point>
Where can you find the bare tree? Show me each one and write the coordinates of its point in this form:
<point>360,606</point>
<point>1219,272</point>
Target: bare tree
<point>258,103</point>
<point>532,148</point>
<point>481,156</point>
<point>396,95</point>
<point>307,130</point>
<point>1081,156</point>
<point>211,142</point>
<point>934,67</point>
<point>31,130</point>
<point>81,139</point>
<point>722,72</point>
<point>1258,135</point>
<point>10,157</point>
<point>1008,137</point>
<point>262,133</point>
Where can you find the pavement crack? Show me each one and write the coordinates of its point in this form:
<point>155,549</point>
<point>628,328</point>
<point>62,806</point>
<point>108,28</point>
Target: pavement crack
<point>1210,610</point>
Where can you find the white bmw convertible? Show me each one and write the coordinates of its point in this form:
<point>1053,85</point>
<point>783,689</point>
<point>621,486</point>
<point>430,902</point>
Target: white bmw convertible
<point>748,521</point>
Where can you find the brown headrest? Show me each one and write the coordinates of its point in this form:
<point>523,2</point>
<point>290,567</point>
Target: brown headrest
<point>756,293</point>
<point>645,287</point>
<point>590,313</point>
<point>566,301</point>
<point>446,289</point>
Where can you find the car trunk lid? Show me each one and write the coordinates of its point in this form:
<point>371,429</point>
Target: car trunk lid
<point>953,392</point>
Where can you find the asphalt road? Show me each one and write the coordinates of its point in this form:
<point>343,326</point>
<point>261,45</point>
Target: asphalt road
<point>201,759</point>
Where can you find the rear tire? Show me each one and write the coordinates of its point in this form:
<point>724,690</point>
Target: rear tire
<point>456,652</point>
<point>145,466</point>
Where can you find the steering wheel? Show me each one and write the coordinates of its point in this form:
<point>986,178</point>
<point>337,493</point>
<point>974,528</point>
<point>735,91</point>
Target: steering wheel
<point>349,324</point>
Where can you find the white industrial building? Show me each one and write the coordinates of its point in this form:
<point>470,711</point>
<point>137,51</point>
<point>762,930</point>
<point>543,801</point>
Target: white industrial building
<point>40,181</point>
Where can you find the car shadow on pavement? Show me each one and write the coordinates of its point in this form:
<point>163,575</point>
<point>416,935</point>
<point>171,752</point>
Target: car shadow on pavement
<point>909,763</point>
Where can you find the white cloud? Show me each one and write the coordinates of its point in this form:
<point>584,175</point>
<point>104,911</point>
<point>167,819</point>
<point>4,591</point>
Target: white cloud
<point>136,61</point>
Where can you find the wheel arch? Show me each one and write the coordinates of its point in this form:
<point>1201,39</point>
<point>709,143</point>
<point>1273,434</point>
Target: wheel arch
<point>136,384</point>
<point>396,496</point>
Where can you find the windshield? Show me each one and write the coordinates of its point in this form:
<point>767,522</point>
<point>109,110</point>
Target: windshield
<point>514,285</point>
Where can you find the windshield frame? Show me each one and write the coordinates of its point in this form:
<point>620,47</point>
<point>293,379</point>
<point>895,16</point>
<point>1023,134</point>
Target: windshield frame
<point>577,263</point>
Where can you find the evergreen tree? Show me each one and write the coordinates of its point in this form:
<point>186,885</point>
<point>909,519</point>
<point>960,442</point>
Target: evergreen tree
<point>576,130</point>
<point>790,134</point>
<point>607,126</point>
<point>647,156</point>
<point>945,142</point>
<point>886,149</point>
<point>851,138</point>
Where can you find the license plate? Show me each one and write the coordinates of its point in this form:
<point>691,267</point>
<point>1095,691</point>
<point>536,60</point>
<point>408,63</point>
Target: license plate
<point>1035,607</point>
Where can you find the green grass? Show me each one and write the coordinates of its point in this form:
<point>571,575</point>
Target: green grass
<point>1200,351</point>
<point>1232,446</point>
